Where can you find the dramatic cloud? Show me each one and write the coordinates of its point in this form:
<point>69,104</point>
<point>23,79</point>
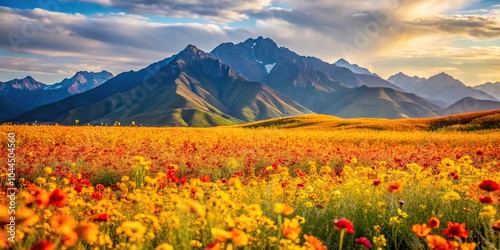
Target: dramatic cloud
<point>462,25</point>
<point>222,11</point>
<point>130,41</point>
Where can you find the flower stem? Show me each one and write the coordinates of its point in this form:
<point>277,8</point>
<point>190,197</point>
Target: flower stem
<point>341,242</point>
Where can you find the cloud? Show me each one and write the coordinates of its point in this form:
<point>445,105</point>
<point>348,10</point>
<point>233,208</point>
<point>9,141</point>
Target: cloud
<point>222,11</point>
<point>471,26</point>
<point>107,40</point>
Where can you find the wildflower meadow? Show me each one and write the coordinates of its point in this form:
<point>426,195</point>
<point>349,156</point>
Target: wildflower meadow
<point>129,187</point>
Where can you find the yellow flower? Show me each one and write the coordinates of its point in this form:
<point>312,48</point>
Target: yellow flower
<point>48,170</point>
<point>488,212</point>
<point>164,246</point>
<point>134,230</point>
<point>380,241</point>
<point>195,243</point>
<point>283,209</point>
<point>402,214</point>
<point>125,178</point>
<point>394,221</point>
<point>451,196</point>
<point>40,181</point>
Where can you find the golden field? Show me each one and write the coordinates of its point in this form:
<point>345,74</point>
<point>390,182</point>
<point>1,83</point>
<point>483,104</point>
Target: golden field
<point>308,187</point>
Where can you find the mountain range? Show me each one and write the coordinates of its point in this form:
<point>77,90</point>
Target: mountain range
<point>27,93</point>
<point>236,83</point>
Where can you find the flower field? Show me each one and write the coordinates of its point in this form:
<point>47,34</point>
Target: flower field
<point>83,187</point>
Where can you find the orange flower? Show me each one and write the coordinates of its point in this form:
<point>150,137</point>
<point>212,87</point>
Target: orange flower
<point>26,216</point>
<point>4,241</point>
<point>283,209</point>
<point>394,187</point>
<point>344,223</point>
<point>88,231</point>
<point>291,228</point>
<point>439,243</point>
<point>58,198</point>
<point>496,225</point>
<point>221,235</point>
<point>434,222</point>
<point>205,178</point>
<point>43,245</point>
<point>456,230</point>
<point>63,223</point>
<point>240,238</point>
<point>300,173</point>
<point>489,185</point>
<point>467,246</point>
<point>421,230</point>
<point>70,239</point>
<point>314,242</point>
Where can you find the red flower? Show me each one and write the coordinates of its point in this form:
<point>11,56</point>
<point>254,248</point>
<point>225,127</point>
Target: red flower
<point>489,185</point>
<point>362,241</point>
<point>205,178</point>
<point>78,188</point>
<point>486,199</point>
<point>99,187</point>
<point>300,173</point>
<point>43,245</point>
<point>344,223</point>
<point>58,198</point>
<point>456,230</point>
<point>376,182</point>
<point>101,217</point>
<point>97,196</point>
<point>302,184</point>
<point>434,222</point>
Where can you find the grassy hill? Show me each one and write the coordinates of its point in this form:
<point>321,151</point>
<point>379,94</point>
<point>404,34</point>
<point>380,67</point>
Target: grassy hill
<point>462,122</point>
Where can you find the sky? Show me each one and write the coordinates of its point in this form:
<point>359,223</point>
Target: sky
<point>53,39</point>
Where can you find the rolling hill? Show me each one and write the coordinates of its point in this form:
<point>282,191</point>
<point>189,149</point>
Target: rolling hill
<point>462,122</point>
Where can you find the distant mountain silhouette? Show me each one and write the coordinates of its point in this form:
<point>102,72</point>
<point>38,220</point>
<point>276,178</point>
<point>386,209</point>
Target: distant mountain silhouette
<point>490,88</point>
<point>442,88</point>
<point>470,104</point>
<point>382,103</point>
<point>29,93</point>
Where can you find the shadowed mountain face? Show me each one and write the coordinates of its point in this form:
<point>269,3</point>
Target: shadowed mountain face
<point>194,89</point>
<point>441,88</point>
<point>307,80</point>
<point>470,104</point>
